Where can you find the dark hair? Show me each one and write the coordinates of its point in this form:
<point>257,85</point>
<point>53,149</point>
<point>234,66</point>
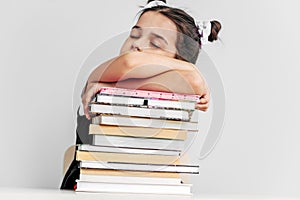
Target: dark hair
<point>189,39</point>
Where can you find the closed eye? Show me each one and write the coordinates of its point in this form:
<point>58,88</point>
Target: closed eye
<point>136,32</point>
<point>134,36</point>
<point>155,45</point>
<point>157,42</point>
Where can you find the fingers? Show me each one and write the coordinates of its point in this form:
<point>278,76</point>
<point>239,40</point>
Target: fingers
<point>205,98</point>
<point>204,102</point>
<point>202,107</point>
<point>87,97</point>
<point>85,103</point>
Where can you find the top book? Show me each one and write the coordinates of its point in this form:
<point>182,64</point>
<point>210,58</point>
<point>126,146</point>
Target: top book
<point>146,103</point>
<point>148,94</point>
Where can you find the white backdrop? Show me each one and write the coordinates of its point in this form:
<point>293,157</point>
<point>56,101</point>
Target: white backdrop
<point>44,43</point>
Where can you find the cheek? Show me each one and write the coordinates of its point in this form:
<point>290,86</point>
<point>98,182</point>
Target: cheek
<point>170,54</point>
<point>170,51</point>
<point>126,46</point>
<point>173,48</point>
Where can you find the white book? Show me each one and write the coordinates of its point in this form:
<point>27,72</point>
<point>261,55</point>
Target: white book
<point>182,189</point>
<point>140,112</point>
<point>144,122</point>
<point>129,179</point>
<point>87,147</point>
<point>136,142</point>
<point>143,102</point>
<point>190,169</point>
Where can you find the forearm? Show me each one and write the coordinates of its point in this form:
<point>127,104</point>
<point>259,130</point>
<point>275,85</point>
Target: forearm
<point>136,65</point>
<point>171,81</point>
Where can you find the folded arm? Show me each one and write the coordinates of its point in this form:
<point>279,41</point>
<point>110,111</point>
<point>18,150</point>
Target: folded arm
<point>137,65</point>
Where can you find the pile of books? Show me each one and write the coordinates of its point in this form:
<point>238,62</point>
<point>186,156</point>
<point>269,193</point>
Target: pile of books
<point>138,139</point>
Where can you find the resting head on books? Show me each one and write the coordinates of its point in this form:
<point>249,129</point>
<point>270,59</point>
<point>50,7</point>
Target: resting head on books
<point>159,54</point>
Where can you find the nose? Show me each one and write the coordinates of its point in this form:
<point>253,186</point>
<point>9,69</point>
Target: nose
<point>136,48</point>
<point>139,44</point>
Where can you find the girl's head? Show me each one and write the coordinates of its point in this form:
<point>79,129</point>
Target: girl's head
<point>168,31</point>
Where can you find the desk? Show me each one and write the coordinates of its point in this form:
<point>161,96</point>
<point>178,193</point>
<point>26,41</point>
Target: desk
<point>47,194</point>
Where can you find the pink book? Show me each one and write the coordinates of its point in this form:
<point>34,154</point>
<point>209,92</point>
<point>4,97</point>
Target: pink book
<point>148,94</point>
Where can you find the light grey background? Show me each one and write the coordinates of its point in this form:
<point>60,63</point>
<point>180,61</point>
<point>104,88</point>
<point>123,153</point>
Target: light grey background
<point>44,43</point>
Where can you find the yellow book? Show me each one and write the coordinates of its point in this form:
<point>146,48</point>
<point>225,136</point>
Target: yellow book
<point>140,167</point>
<point>110,172</point>
<point>126,158</point>
<point>137,132</point>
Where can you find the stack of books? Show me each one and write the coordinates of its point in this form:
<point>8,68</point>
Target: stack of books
<point>138,140</point>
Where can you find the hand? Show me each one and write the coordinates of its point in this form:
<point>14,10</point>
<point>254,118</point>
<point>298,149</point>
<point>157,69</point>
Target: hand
<point>204,102</point>
<point>199,87</point>
<point>89,93</point>
<point>202,90</point>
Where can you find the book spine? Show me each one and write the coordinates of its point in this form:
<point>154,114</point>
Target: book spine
<point>133,142</point>
<point>126,158</point>
<point>137,132</point>
<point>148,94</point>
<point>140,112</point>
<point>140,167</point>
<point>112,172</point>
<point>181,189</point>
<point>143,102</point>
<point>134,150</point>
<point>143,122</point>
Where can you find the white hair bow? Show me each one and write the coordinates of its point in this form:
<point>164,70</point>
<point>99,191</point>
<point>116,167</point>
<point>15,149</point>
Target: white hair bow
<point>155,3</point>
<point>204,27</point>
<point>204,30</point>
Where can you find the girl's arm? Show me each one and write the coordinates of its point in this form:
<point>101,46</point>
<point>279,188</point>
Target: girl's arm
<point>137,65</point>
<point>173,81</point>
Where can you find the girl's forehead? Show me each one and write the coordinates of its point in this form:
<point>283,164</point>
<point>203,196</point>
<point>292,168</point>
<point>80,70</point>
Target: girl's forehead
<point>155,23</point>
<point>157,20</point>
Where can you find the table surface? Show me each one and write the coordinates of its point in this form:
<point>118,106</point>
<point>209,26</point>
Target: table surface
<point>44,194</point>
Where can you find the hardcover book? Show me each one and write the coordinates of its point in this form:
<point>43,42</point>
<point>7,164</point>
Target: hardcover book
<point>145,102</point>
<point>140,112</point>
<point>145,132</point>
<point>141,167</point>
<point>135,142</point>
<point>118,120</point>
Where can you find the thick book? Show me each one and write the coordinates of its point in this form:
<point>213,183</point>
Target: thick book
<point>140,112</point>
<point>141,167</point>
<point>179,189</point>
<point>144,102</point>
<point>149,94</point>
<point>118,120</point>
<point>136,142</point>
<point>87,147</point>
<point>128,179</point>
<point>137,132</point>
<point>115,172</point>
<point>126,157</point>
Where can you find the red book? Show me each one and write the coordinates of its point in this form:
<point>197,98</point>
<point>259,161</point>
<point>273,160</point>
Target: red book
<point>148,94</point>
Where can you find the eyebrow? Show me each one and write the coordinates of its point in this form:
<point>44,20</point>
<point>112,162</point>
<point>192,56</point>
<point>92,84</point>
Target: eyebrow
<point>136,27</point>
<point>156,35</point>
